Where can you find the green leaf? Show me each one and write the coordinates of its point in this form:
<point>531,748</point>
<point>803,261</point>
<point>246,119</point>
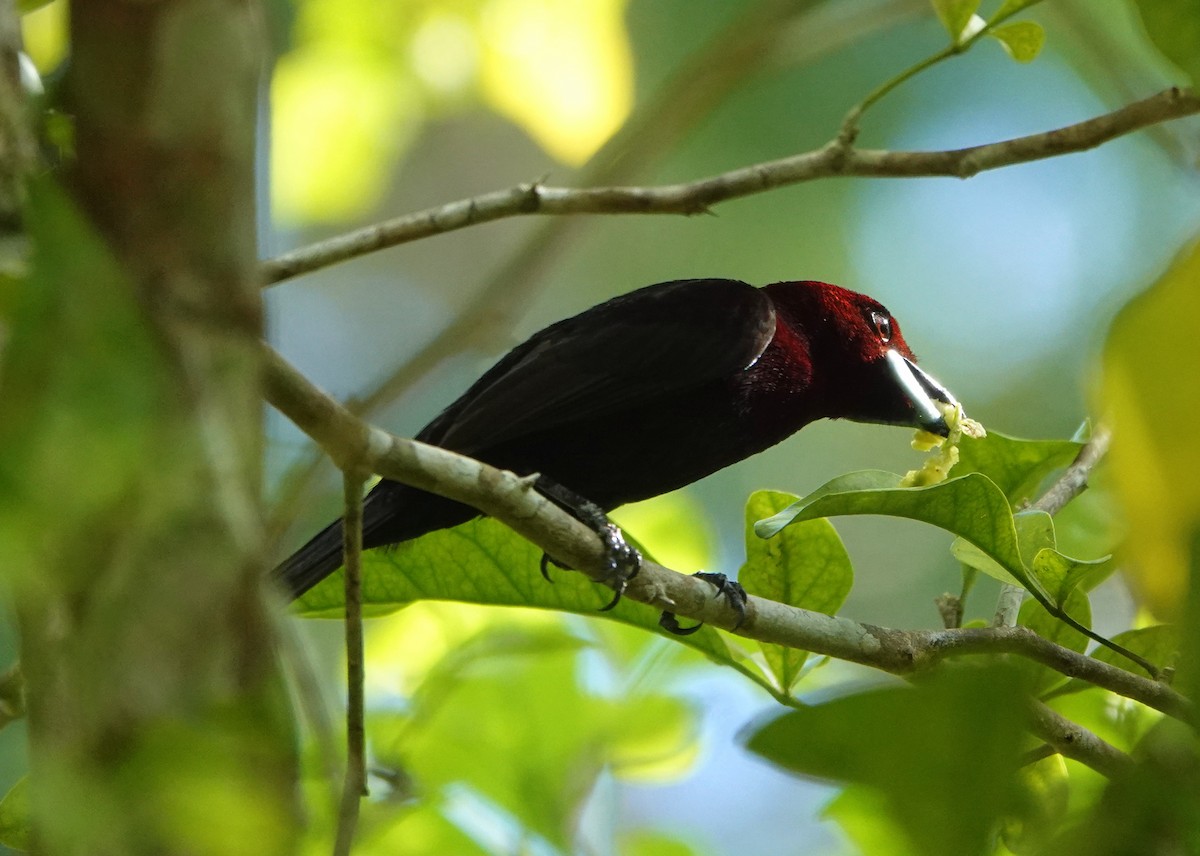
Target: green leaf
<point>1017,466</point>
<point>1022,40</point>
<point>1035,531</point>
<point>806,566</point>
<point>940,754</point>
<point>1034,616</point>
<point>973,557</point>
<point>14,816</point>
<point>955,15</point>
<point>1158,644</point>
<point>970,506</point>
<point>485,562</point>
<point>1174,27</point>
<point>1062,574</point>
<point>1058,573</point>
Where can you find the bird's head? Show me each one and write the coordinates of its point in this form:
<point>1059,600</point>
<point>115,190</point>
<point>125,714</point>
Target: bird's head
<point>862,368</point>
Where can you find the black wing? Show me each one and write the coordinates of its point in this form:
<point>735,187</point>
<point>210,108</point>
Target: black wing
<point>657,340</point>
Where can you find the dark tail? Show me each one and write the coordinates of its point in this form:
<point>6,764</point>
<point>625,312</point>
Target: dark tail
<point>391,513</point>
<point>312,563</point>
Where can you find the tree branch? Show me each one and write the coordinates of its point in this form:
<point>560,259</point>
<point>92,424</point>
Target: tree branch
<point>836,158</point>
<point>353,444</point>
<point>1077,743</point>
<point>1074,479</point>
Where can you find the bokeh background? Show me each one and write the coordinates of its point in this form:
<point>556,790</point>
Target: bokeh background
<point>1005,285</point>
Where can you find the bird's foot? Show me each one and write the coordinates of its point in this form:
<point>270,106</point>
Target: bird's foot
<point>734,595</point>
<point>624,561</point>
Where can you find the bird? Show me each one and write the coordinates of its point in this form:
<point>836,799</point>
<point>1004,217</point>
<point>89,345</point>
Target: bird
<point>648,392</point>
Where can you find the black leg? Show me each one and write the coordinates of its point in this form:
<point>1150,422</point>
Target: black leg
<point>624,561</point>
<point>733,593</point>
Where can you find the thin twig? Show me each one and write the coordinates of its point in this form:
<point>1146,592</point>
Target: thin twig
<point>957,47</point>
<point>833,159</point>
<point>356,445</point>
<point>355,787</point>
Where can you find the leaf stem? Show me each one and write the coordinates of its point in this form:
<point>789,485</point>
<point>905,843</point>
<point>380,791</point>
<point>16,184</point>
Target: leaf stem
<point>849,129</point>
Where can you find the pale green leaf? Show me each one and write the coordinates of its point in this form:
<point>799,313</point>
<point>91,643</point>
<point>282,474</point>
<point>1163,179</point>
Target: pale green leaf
<point>805,566</point>
<point>955,15</point>
<point>1022,40</point>
<point>1062,574</point>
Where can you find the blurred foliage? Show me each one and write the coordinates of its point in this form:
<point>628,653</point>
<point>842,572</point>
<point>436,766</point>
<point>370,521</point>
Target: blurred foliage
<point>794,556</point>
<point>14,817</point>
<point>45,33</point>
<point>939,764</point>
<point>1174,27</point>
<point>935,768</point>
<point>361,78</point>
<point>516,730</point>
<point>470,724</point>
<point>1156,451</point>
<point>83,386</point>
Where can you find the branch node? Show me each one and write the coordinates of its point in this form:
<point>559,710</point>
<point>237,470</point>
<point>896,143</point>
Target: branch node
<point>848,133</point>
<point>529,482</point>
<point>531,193</point>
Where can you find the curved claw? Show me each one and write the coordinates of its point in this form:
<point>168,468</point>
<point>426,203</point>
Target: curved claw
<point>668,622</point>
<point>544,567</point>
<point>618,593</point>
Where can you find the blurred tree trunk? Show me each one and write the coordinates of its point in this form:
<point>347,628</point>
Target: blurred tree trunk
<point>158,720</point>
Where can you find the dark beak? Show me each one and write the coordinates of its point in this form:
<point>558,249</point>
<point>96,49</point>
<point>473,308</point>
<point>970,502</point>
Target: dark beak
<point>922,391</point>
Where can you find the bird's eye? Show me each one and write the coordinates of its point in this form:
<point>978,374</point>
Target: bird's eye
<point>883,326</point>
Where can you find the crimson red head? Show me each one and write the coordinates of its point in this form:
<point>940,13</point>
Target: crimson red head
<point>862,368</point>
